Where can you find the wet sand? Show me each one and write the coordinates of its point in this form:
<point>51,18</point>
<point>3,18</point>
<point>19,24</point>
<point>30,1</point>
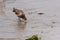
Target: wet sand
<point>45,25</point>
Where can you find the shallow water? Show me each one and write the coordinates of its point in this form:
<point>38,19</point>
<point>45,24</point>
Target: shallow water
<point>42,25</point>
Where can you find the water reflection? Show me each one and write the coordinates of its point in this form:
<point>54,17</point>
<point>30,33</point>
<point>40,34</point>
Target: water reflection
<point>21,25</point>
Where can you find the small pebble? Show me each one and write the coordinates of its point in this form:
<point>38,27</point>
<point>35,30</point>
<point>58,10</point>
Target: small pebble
<point>40,13</point>
<point>53,22</point>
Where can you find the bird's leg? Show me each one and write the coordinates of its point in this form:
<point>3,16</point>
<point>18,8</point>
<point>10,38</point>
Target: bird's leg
<point>19,19</point>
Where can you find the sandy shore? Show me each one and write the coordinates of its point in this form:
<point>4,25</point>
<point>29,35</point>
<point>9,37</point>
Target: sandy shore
<point>46,26</point>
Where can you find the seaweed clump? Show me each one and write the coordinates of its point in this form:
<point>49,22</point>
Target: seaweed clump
<point>34,37</point>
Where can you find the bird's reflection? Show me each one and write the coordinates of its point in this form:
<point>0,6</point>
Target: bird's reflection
<point>21,25</point>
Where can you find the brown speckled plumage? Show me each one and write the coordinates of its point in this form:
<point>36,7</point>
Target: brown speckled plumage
<point>19,13</point>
